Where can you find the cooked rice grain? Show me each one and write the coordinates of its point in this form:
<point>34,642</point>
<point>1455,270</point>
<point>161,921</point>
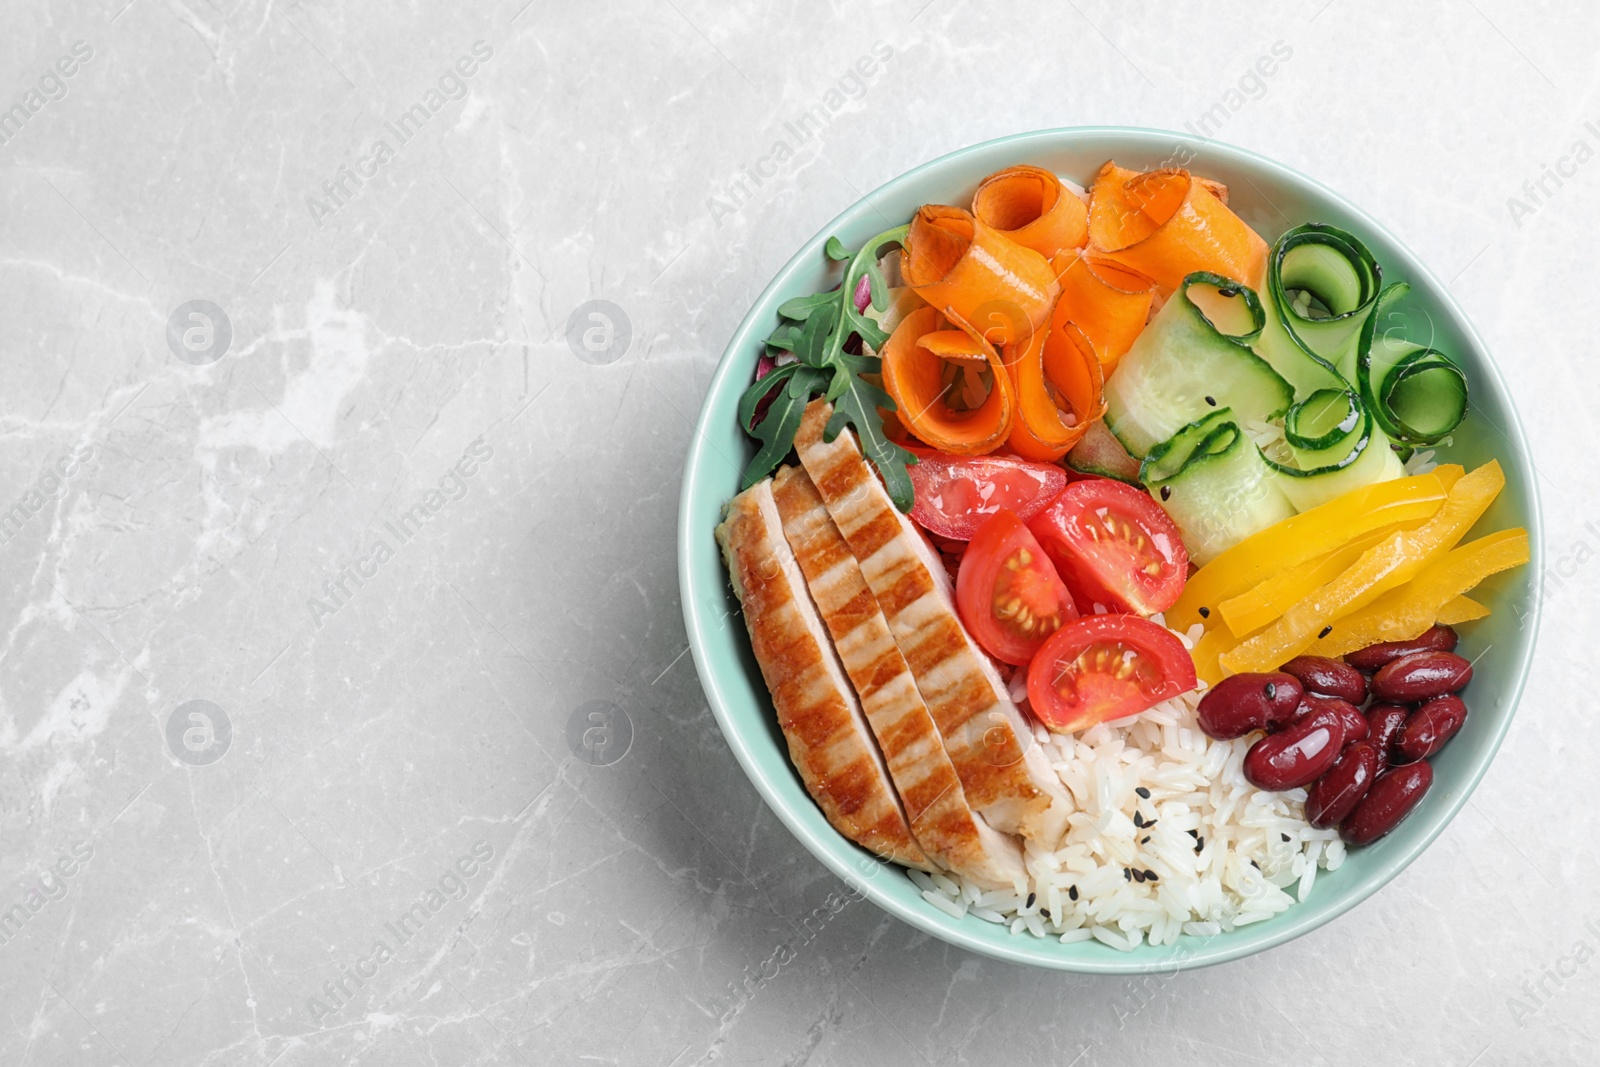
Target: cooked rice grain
<point>1196,789</point>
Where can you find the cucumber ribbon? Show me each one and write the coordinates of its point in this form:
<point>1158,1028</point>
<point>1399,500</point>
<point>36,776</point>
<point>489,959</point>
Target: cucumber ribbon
<point>1351,392</point>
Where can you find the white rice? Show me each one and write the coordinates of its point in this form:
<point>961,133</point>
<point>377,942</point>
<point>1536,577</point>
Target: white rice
<point>1424,460</point>
<point>1258,857</point>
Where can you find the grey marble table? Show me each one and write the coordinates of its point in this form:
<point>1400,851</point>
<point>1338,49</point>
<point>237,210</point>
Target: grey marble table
<point>324,547</point>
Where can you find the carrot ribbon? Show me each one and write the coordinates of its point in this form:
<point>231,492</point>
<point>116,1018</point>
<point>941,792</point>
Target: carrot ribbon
<point>1165,224</point>
<point>918,377</point>
<point>1109,307</point>
<point>962,265</point>
<point>1031,207</point>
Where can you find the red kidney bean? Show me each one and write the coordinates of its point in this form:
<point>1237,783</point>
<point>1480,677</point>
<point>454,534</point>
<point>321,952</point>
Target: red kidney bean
<point>1350,717</point>
<point>1352,724</point>
<point>1393,796</point>
<point>1297,755</point>
<point>1336,793</point>
<point>1244,702</point>
<point>1328,677</point>
<point>1385,721</point>
<point>1431,725</point>
<point>1421,676</point>
<point>1437,639</point>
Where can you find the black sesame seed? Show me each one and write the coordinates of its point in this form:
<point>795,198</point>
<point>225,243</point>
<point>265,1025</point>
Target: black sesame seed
<point>1138,819</point>
<point>1229,291</point>
<point>1271,690</point>
<point>1205,613</point>
<point>1072,892</point>
<point>1326,630</point>
<point>1199,843</point>
<point>1033,898</point>
<point>1127,874</point>
<point>1211,400</point>
<point>1142,791</point>
<point>1145,840</point>
<point>1138,876</point>
<point>1284,836</point>
<point>1166,492</point>
<point>1152,876</point>
<point>1195,834</point>
<point>1256,865</point>
<point>1045,912</point>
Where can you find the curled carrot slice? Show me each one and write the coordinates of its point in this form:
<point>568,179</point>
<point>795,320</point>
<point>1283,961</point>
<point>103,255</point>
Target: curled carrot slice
<point>1058,385</point>
<point>917,379</point>
<point>1032,207</point>
<point>1164,224</point>
<point>1109,317</point>
<point>1073,371</point>
<point>1216,189</point>
<point>954,344</point>
<point>957,263</point>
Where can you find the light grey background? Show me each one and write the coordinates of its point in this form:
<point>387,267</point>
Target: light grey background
<point>637,900</point>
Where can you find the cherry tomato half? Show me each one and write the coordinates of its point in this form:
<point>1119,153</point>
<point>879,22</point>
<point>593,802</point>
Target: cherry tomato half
<point>1114,546</point>
<point>1007,592</point>
<point>956,493</point>
<point>1103,667</point>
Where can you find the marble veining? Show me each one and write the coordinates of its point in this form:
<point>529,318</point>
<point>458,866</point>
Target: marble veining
<point>352,352</point>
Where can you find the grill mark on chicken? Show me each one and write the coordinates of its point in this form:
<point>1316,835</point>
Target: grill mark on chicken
<point>941,818</point>
<point>1004,775</point>
<point>828,737</point>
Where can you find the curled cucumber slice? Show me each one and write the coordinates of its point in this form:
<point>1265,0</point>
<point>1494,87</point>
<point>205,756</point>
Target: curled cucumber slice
<point>1215,483</point>
<point>1416,393</point>
<point>1194,358</point>
<point>1322,286</point>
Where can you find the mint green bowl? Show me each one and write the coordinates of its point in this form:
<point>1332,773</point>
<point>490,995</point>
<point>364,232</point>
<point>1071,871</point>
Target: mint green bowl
<point>1271,198</point>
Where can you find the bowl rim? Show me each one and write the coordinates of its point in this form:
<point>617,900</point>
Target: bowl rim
<point>1032,951</point>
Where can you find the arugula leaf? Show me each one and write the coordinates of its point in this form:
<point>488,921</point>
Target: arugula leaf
<point>778,426</point>
<point>816,329</point>
<point>784,337</point>
<point>800,307</point>
<point>812,345</point>
<point>857,405</point>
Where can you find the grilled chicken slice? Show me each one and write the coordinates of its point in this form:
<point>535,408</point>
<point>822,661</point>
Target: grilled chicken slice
<point>829,740</point>
<point>1006,776</point>
<point>944,824</point>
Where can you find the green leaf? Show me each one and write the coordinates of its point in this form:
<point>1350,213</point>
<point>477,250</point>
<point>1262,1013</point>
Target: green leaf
<point>857,406</point>
<point>751,398</point>
<point>777,429</point>
<point>817,330</point>
<point>784,337</point>
<point>879,288</point>
<point>800,308</point>
<point>870,331</point>
<point>812,345</point>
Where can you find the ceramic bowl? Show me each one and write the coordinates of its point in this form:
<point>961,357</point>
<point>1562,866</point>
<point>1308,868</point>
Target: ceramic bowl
<point>1271,198</point>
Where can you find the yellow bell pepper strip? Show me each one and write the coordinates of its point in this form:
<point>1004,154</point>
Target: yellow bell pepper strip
<point>1212,644</point>
<point>1406,612</point>
<point>1461,609</point>
<point>1256,607</point>
<point>1448,474</point>
<point>1301,537</point>
<point>1392,562</point>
